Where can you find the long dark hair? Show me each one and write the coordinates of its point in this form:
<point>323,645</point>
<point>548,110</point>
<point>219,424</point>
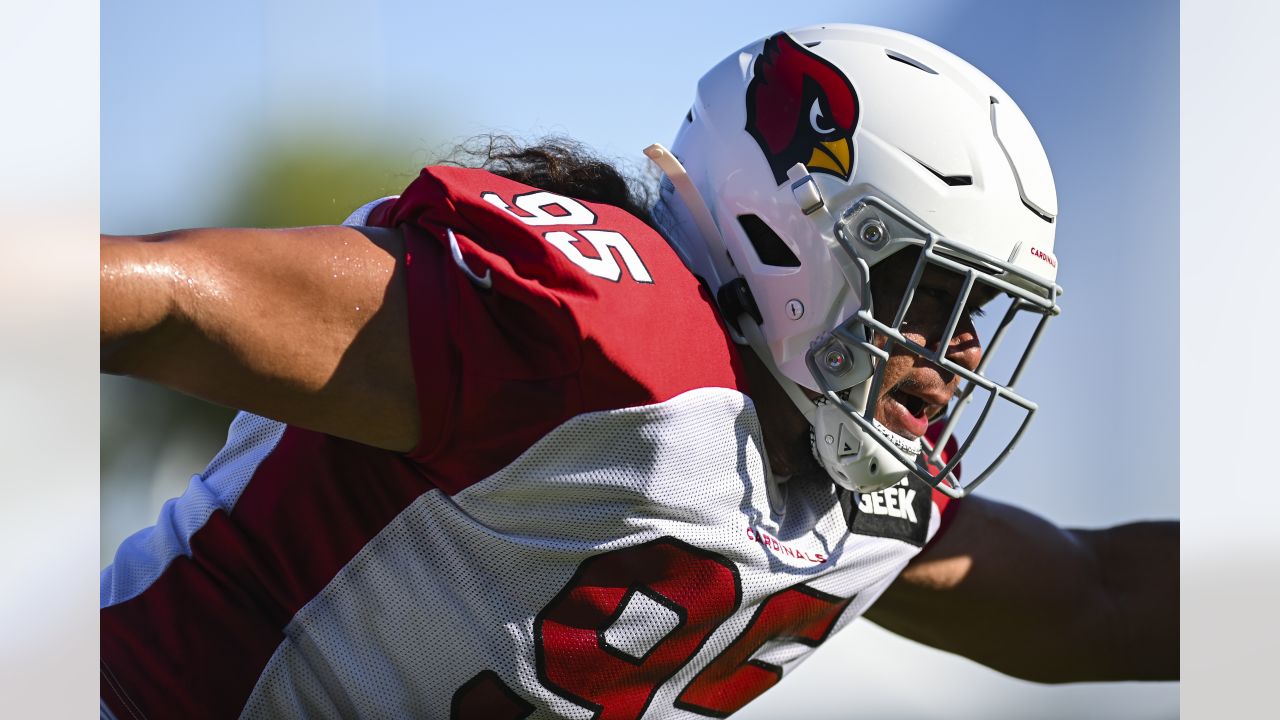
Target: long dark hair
<point>559,165</point>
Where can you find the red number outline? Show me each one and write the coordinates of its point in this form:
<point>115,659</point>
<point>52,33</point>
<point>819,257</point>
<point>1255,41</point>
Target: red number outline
<point>706,627</point>
<point>727,674</point>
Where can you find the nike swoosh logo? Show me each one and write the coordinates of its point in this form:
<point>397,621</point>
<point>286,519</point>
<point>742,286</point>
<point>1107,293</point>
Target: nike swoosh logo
<point>485,282</point>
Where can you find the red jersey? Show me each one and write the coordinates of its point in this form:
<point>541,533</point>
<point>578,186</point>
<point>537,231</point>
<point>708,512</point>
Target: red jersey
<point>587,528</point>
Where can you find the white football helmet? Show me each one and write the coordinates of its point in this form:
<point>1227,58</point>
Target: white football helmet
<point>810,156</point>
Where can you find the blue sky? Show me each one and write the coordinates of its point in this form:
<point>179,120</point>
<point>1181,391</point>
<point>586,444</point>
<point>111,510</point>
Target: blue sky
<point>189,89</point>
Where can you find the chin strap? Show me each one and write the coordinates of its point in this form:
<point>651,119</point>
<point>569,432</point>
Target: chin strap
<point>906,445</point>
<point>910,447</point>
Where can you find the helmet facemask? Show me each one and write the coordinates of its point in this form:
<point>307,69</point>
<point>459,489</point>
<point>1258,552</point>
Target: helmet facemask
<point>848,364</point>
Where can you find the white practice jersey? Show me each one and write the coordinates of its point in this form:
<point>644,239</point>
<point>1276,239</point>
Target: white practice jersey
<point>587,528</point>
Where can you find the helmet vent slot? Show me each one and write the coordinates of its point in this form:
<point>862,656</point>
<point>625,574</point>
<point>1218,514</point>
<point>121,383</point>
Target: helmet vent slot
<point>768,246</point>
<point>952,180</point>
<point>1039,213</point>
<point>1013,167</point>
<point>909,61</point>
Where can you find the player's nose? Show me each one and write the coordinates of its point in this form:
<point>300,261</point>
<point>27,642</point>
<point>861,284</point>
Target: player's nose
<point>965,349</point>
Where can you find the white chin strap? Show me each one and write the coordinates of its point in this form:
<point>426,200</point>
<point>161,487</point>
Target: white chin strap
<point>908,446</point>
<point>853,460</point>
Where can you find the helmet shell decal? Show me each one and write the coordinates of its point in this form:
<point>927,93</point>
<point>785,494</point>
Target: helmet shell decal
<point>794,95</point>
<point>801,109</point>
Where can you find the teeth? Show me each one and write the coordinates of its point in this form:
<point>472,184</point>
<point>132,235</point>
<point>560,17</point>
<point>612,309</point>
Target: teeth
<point>910,447</point>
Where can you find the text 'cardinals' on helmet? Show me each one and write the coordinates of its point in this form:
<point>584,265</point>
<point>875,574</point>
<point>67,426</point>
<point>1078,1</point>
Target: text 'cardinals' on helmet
<point>807,160</point>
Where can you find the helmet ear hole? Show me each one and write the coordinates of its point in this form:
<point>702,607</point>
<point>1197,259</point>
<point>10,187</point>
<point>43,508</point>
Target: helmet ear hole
<point>768,246</point>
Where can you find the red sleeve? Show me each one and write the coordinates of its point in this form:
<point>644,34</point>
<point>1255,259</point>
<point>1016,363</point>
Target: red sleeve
<point>947,505</point>
<point>498,367</point>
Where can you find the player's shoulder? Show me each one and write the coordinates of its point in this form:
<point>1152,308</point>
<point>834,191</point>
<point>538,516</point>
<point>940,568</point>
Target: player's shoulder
<point>550,235</point>
<point>558,286</point>
<point>529,307</point>
<point>594,262</point>
<point>478,196</point>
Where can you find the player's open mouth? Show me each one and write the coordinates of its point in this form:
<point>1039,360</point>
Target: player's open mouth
<point>905,414</point>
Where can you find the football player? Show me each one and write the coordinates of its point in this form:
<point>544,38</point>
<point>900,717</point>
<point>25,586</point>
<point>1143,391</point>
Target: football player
<point>517,442</point>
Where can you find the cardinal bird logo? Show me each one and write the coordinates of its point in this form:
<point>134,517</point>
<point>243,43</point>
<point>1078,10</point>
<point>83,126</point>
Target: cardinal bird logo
<point>801,109</point>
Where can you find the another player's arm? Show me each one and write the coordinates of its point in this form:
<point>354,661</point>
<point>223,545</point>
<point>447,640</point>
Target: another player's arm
<point>1014,592</point>
<point>304,325</point>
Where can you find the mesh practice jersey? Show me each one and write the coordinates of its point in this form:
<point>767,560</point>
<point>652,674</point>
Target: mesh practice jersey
<point>587,527</point>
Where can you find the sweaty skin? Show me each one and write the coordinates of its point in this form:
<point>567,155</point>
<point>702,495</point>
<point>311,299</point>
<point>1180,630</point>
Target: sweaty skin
<point>304,325</point>
<point>309,326</point>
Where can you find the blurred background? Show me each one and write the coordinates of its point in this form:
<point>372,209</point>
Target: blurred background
<point>290,112</point>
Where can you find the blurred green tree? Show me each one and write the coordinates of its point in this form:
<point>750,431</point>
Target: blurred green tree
<point>318,179</point>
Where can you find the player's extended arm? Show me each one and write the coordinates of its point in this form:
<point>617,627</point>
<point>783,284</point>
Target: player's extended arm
<point>1014,592</point>
<point>303,325</point>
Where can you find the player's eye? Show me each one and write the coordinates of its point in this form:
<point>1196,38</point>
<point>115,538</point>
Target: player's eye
<point>937,296</point>
<point>934,305</point>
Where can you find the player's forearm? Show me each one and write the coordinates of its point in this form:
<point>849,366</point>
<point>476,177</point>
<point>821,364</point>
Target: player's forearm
<point>1139,571</point>
<point>1105,608</point>
<point>1120,624</point>
<point>138,301</point>
<point>1021,595</point>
